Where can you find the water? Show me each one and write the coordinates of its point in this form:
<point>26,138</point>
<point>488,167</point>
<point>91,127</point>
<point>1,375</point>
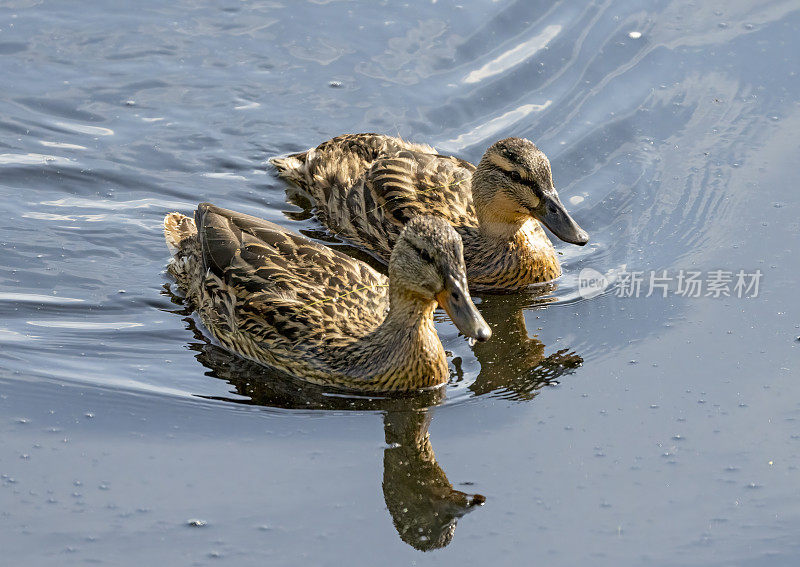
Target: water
<point>606,431</point>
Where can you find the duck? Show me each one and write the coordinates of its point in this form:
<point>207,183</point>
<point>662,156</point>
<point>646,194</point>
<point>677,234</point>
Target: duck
<point>277,298</point>
<point>366,187</point>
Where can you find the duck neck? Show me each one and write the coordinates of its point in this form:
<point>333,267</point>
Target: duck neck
<point>405,347</point>
<point>499,217</point>
<point>409,321</point>
<point>500,227</point>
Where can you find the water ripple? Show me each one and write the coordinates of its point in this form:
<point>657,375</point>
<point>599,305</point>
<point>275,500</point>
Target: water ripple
<point>34,159</point>
<point>85,325</point>
<point>38,298</point>
<point>514,56</point>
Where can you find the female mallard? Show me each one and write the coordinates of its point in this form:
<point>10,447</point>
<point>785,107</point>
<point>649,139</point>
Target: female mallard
<point>277,298</point>
<point>367,186</point>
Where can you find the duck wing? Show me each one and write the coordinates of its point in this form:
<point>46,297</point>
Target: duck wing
<point>411,183</point>
<point>367,186</point>
<point>397,188</point>
<point>279,282</point>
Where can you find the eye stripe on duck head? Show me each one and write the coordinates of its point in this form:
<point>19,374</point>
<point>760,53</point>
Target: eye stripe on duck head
<point>433,240</point>
<point>515,173</point>
<point>522,156</point>
<point>422,253</point>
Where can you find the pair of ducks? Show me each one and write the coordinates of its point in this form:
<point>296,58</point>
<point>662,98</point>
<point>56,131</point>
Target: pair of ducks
<point>442,224</point>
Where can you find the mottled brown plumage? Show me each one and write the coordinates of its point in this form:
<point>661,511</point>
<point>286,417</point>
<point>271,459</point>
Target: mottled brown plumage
<point>366,187</point>
<point>280,299</point>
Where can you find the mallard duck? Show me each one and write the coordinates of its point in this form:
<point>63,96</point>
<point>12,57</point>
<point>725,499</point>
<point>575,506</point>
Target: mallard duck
<point>280,299</point>
<point>366,187</point>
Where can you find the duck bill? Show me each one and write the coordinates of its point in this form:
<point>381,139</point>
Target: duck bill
<point>456,301</point>
<point>552,213</point>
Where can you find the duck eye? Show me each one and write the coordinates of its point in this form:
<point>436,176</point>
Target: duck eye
<point>424,255</point>
<point>515,176</point>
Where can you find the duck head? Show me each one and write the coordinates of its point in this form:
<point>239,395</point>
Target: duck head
<point>427,263</point>
<point>513,182</point>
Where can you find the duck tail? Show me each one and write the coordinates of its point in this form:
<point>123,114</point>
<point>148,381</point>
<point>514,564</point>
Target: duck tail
<point>177,229</point>
<point>291,167</point>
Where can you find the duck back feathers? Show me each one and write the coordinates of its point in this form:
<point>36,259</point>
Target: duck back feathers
<point>368,186</point>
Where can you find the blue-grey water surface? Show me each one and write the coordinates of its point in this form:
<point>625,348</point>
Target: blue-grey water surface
<point>601,431</point>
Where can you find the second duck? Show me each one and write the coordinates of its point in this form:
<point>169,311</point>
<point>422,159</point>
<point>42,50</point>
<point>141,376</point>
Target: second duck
<point>366,187</point>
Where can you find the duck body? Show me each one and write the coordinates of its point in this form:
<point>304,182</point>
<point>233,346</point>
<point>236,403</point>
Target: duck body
<point>277,298</point>
<point>366,187</point>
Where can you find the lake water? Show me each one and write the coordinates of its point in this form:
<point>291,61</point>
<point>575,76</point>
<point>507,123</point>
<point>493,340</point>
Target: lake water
<point>619,429</point>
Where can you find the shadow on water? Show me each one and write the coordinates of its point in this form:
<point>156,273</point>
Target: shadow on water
<point>422,502</point>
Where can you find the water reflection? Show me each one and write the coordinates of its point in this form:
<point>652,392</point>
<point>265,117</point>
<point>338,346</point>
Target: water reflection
<point>422,502</point>
<point>424,506</point>
<point>514,365</point>
<point>514,56</point>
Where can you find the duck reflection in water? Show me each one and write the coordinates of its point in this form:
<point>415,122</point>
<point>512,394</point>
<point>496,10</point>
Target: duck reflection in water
<point>424,506</point>
<point>514,365</point>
